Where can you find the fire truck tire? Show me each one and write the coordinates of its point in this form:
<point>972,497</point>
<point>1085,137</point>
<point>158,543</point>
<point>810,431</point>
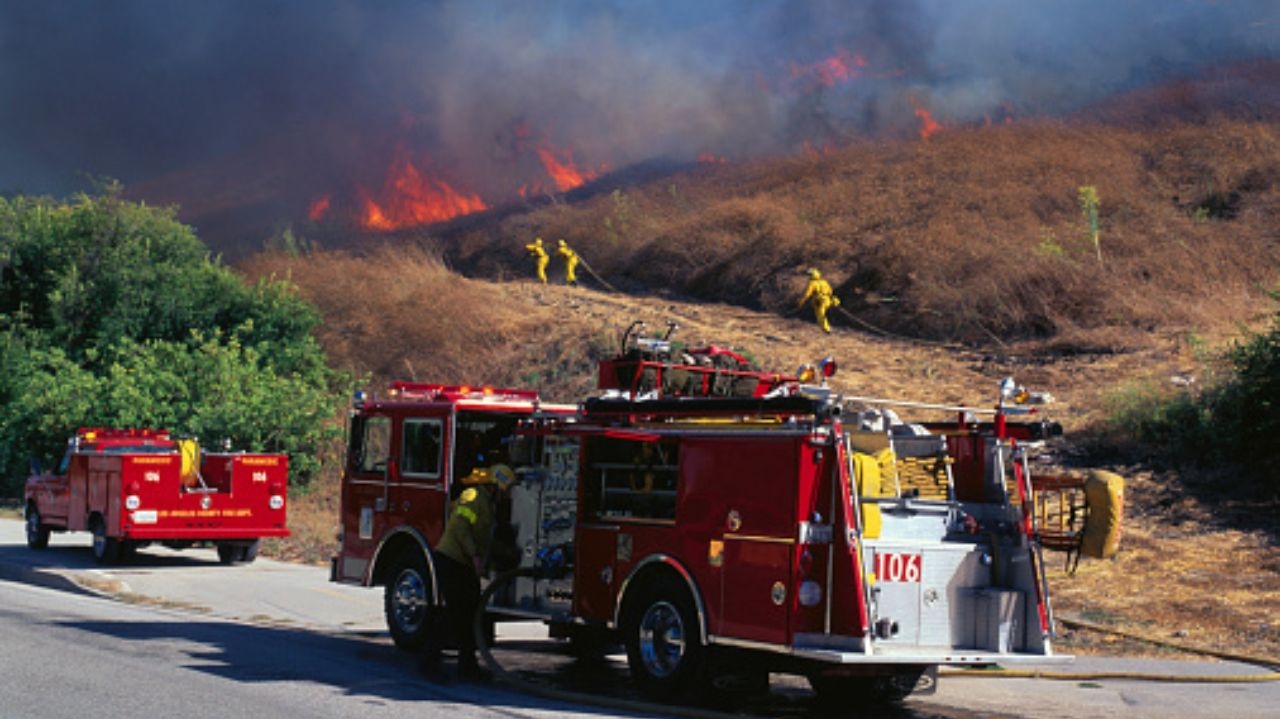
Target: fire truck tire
<point>106,550</point>
<point>407,600</point>
<point>238,552</point>
<point>37,532</point>
<point>663,640</point>
<point>838,691</point>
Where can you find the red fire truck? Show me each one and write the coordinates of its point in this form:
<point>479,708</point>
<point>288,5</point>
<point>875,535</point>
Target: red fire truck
<point>134,487</point>
<point>707,516</point>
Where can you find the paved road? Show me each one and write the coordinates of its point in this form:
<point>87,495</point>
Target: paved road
<point>298,600</point>
<point>66,655</point>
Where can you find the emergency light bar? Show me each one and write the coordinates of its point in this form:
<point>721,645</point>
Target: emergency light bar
<point>423,390</point>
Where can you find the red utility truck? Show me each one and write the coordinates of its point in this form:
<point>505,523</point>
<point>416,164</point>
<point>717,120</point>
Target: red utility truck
<point>708,517</point>
<point>133,487</point>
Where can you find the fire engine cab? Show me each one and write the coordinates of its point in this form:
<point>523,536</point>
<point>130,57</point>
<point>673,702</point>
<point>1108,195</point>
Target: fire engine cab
<point>134,487</point>
<point>706,515</point>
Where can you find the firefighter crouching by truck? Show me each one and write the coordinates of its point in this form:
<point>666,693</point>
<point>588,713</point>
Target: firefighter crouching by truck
<point>461,558</point>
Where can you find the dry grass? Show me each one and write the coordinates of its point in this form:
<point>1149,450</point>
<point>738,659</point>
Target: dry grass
<point>975,232</point>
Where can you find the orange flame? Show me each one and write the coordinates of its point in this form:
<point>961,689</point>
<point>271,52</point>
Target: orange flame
<point>319,208</point>
<point>841,67</point>
<point>708,158</point>
<point>530,190</point>
<point>564,174</point>
<point>928,126</point>
<point>410,198</point>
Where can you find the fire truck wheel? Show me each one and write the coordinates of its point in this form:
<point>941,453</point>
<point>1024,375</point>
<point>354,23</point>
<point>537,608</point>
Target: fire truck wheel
<point>664,646</point>
<point>37,533</point>
<point>238,552</point>
<point>106,550</point>
<point>407,600</point>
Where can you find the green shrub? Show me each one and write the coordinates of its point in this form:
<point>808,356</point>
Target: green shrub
<point>1231,423</point>
<point>114,314</point>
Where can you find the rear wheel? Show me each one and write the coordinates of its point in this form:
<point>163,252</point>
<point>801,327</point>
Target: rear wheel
<point>105,549</point>
<point>238,552</point>
<point>407,600</point>
<point>664,644</point>
<point>37,533</point>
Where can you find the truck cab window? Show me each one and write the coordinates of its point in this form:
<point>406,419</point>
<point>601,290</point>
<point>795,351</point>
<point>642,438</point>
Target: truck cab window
<point>372,445</point>
<point>421,448</point>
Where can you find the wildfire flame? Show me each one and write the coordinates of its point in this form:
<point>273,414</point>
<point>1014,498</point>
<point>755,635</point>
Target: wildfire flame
<point>564,173</point>
<point>319,208</point>
<point>410,198</point>
<point>928,126</point>
<point>840,67</point>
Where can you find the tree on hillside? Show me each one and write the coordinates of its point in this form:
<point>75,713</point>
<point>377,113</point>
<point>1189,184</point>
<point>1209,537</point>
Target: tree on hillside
<point>114,313</point>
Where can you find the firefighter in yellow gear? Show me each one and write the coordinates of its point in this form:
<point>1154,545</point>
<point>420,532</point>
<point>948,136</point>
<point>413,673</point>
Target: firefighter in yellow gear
<point>461,558</point>
<point>540,255</point>
<point>570,262</point>
<point>819,294</point>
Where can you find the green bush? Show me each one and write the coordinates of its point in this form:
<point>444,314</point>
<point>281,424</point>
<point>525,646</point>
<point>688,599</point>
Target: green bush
<point>114,314</point>
<point>1230,424</point>
<point>1248,407</point>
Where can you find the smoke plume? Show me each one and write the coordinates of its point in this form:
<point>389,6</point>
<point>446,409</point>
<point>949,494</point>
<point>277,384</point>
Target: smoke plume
<point>280,110</point>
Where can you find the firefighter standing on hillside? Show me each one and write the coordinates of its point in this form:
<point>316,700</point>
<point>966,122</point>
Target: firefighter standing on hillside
<point>819,294</point>
<point>540,255</point>
<point>570,262</point>
<point>460,560</point>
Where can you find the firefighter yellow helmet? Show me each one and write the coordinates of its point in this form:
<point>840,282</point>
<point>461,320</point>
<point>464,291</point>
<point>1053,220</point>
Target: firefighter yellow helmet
<point>562,242</point>
<point>499,474</point>
<point>814,273</point>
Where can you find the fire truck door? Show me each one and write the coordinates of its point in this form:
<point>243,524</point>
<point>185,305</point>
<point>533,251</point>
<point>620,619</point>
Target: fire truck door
<point>417,476</point>
<point>365,492</point>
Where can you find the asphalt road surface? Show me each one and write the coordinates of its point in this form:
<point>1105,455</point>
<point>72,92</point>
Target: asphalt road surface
<point>177,634</point>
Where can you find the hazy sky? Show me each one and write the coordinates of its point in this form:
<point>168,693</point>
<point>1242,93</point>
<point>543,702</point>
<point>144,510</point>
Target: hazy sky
<point>315,93</point>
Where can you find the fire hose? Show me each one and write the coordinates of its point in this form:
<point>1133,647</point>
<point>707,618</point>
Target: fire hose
<point>599,279</point>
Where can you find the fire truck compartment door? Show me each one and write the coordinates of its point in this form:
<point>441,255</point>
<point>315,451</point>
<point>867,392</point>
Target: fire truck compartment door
<point>925,590</point>
<point>595,581</point>
<point>755,594</point>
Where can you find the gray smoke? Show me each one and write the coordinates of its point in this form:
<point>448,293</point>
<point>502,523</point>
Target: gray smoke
<point>267,103</point>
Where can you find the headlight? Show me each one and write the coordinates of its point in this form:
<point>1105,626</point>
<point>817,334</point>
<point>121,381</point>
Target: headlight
<point>132,502</point>
<point>276,501</point>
